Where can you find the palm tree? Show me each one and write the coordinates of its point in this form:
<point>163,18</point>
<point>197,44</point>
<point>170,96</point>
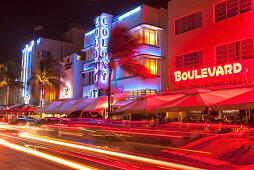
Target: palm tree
<point>122,47</point>
<point>47,77</point>
<point>9,77</point>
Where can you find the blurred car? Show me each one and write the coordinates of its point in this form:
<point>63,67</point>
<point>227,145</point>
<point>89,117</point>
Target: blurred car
<point>24,121</point>
<point>48,121</point>
<point>81,124</point>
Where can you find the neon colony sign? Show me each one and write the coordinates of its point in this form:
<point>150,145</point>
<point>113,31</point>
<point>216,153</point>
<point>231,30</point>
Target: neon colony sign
<point>208,72</point>
<point>102,29</point>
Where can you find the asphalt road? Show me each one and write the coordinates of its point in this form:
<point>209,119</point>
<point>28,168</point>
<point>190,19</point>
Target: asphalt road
<point>29,150</point>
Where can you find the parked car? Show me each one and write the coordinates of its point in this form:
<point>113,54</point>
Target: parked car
<point>84,114</point>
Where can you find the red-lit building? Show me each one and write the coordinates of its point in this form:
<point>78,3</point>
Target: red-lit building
<point>210,43</point>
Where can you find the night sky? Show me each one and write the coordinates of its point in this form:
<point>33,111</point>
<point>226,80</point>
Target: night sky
<point>56,16</point>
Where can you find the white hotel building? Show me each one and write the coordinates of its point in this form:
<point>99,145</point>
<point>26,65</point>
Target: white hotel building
<point>150,26</point>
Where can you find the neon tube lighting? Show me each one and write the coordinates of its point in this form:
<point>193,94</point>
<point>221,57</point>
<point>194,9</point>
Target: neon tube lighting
<point>129,13</point>
<point>38,41</point>
<point>90,33</point>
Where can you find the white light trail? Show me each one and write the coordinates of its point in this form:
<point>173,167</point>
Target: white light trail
<point>45,156</point>
<point>111,153</point>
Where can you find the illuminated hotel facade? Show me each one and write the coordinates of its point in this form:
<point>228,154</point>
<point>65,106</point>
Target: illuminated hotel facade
<point>210,43</point>
<point>41,48</point>
<point>149,26</point>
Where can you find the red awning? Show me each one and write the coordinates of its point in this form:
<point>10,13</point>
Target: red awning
<point>243,98</point>
<point>147,103</point>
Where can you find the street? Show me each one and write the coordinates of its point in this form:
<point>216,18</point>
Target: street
<point>27,149</point>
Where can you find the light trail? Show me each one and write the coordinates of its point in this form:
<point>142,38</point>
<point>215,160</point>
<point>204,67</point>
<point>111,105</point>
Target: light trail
<point>144,134</point>
<point>45,156</point>
<point>111,153</point>
<point>107,162</point>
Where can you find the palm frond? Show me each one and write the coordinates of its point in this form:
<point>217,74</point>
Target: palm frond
<point>121,43</point>
<point>48,75</point>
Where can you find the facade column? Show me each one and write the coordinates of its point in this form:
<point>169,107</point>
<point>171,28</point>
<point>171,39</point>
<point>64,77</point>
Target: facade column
<point>220,115</point>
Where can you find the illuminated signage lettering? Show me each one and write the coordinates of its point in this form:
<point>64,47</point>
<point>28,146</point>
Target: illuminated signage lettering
<point>38,41</point>
<point>66,90</point>
<point>26,73</point>
<point>102,29</point>
<point>208,72</point>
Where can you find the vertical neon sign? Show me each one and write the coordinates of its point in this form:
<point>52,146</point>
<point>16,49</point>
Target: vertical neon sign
<point>26,75</point>
<point>102,30</point>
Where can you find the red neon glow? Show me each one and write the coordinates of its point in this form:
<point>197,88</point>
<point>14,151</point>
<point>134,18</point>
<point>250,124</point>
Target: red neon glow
<point>66,90</point>
<point>208,72</point>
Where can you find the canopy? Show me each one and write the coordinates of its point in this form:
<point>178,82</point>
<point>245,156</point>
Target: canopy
<point>2,108</point>
<point>51,107</point>
<point>58,107</point>
<point>63,109</point>
<point>13,108</point>
<point>243,98</point>
<point>27,109</point>
<point>188,102</point>
<point>78,105</point>
<point>123,103</point>
<point>147,103</point>
<point>46,106</point>
<point>102,102</point>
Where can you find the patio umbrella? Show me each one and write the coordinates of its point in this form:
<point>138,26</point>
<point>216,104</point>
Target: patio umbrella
<point>147,103</point>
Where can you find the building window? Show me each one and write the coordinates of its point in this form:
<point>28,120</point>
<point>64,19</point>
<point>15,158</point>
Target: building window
<point>189,22</point>
<point>89,55</point>
<point>89,78</point>
<point>38,56</point>
<point>52,96</point>
<point>190,60</point>
<point>146,36</point>
<point>230,8</point>
<point>150,37</point>
<point>138,93</point>
<point>151,65</point>
<point>83,76</point>
<point>45,53</point>
<point>236,51</point>
<point>128,74</point>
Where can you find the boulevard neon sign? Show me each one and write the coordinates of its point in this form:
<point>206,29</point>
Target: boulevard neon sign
<point>208,72</point>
